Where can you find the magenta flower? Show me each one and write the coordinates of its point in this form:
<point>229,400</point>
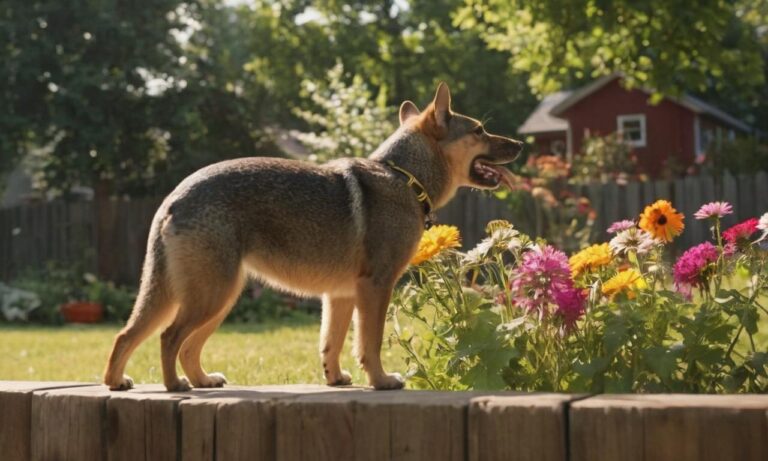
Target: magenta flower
<point>571,303</point>
<point>739,234</point>
<point>543,282</point>
<point>619,226</point>
<point>691,267</point>
<point>714,210</point>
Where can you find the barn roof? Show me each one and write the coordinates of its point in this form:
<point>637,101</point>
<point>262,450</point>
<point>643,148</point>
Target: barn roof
<point>541,119</point>
<point>691,103</point>
<point>545,117</point>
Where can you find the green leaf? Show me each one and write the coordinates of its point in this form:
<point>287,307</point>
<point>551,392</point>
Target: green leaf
<point>661,360</point>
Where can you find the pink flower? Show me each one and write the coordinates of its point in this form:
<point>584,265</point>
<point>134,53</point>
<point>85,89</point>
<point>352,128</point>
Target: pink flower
<point>571,304</point>
<point>543,282</point>
<point>714,210</point>
<point>619,226</point>
<point>741,232</point>
<point>690,270</point>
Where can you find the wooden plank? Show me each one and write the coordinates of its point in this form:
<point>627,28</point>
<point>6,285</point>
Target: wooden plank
<point>91,422</point>
<point>246,429</point>
<point>730,195</point>
<point>198,423</point>
<point>525,427</point>
<point>16,416</point>
<point>142,425</point>
<point>235,422</point>
<point>761,192</point>
<point>633,204</point>
<point>695,229</point>
<point>746,205</point>
<point>404,425</point>
<point>670,427</point>
<point>611,205</point>
<point>68,425</point>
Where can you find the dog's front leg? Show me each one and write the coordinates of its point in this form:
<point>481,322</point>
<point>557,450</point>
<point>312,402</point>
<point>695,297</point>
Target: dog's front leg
<point>337,312</point>
<point>372,302</point>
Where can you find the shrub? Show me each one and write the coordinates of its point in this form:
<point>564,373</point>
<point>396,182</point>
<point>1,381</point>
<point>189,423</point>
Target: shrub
<point>614,317</point>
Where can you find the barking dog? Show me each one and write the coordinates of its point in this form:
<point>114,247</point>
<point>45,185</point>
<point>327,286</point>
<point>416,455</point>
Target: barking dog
<point>343,231</point>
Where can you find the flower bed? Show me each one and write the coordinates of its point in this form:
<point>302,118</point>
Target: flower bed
<point>613,317</point>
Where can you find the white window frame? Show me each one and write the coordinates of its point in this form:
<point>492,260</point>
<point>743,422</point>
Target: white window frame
<point>642,142</point>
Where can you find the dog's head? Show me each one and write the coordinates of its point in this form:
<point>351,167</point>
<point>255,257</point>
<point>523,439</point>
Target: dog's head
<point>475,158</point>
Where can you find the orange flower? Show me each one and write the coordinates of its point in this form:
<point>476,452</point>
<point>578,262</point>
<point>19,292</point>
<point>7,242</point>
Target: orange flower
<point>434,240</point>
<point>662,221</point>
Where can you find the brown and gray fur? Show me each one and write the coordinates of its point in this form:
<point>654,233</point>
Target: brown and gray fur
<point>344,231</point>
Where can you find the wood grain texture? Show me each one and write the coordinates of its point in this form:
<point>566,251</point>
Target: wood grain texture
<point>519,427</point>
<point>16,416</point>
<point>670,427</point>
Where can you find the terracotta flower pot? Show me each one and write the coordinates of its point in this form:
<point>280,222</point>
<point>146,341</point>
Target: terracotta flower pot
<point>82,312</point>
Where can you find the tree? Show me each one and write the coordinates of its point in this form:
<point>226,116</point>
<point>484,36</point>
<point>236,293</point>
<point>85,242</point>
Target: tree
<point>403,49</point>
<point>350,122</point>
<point>668,45</point>
<point>79,81</point>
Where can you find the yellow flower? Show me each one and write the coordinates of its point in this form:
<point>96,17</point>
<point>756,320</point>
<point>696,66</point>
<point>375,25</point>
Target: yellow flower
<point>662,221</point>
<point>434,240</point>
<point>590,258</point>
<point>629,280</point>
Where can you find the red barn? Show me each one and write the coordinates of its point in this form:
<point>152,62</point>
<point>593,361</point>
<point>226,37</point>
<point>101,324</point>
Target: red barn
<point>676,129</point>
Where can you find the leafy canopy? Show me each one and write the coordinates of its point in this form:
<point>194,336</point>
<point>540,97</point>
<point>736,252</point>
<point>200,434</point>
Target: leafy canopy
<point>669,45</point>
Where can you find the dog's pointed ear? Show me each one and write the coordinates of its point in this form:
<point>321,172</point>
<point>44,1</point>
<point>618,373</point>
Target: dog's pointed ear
<point>442,105</point>
<point>408,110</point>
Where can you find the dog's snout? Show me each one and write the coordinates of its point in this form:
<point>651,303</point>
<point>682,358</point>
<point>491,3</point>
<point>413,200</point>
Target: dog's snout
<point>516,146</point>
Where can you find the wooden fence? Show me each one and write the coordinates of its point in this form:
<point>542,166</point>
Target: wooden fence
<point>32,235</point>
<point>76,421</point>
<point>470,211</point>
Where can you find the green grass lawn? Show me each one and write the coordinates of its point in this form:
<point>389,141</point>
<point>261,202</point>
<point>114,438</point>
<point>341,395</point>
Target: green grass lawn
<point>276,352</point>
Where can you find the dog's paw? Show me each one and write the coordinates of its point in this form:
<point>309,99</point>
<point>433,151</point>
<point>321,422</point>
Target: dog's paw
<point>344,379</point>
<point>125,384</point>
<point>213,380</point>
<point>389,381</point>
<point>181,385</point>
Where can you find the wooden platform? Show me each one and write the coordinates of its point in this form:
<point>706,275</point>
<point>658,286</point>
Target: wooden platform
<point>79,421</point>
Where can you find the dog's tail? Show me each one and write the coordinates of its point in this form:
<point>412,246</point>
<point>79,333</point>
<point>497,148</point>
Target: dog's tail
<point>154,306</point>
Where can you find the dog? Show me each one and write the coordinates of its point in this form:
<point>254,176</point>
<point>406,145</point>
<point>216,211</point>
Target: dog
<point>344,231</point>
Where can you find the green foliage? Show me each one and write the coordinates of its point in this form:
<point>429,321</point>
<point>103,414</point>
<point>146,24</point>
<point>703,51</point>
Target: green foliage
<point>741,155</point>
<point>671,46</point>
<point>57,285</point>
<point>347,121</point>
<point>268,305</point>
<point>462,325</point>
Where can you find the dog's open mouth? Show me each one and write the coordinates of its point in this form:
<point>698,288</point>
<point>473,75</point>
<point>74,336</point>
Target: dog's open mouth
<point>486,173</point>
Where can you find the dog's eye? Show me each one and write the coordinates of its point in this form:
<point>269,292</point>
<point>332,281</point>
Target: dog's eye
<point>479,130</point>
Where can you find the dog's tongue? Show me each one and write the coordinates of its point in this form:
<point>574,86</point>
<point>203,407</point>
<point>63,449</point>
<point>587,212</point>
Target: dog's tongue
<point>506,176</point>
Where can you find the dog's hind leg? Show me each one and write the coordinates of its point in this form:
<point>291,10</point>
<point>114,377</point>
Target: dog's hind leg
<point>189,355</point>
<point>207,284</point>
<point>154,306</point>
<point>372,303</point>
<point>337,313</point>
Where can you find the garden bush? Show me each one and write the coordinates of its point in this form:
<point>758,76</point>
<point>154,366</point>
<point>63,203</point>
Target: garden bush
<point>37,296</point>
<point>618,316</point>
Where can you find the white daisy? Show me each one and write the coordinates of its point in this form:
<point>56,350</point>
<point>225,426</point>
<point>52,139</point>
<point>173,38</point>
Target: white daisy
<point>632,239</point>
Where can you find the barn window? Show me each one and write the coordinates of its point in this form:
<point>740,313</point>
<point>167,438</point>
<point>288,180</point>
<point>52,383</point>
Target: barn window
<point>632,129</point>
